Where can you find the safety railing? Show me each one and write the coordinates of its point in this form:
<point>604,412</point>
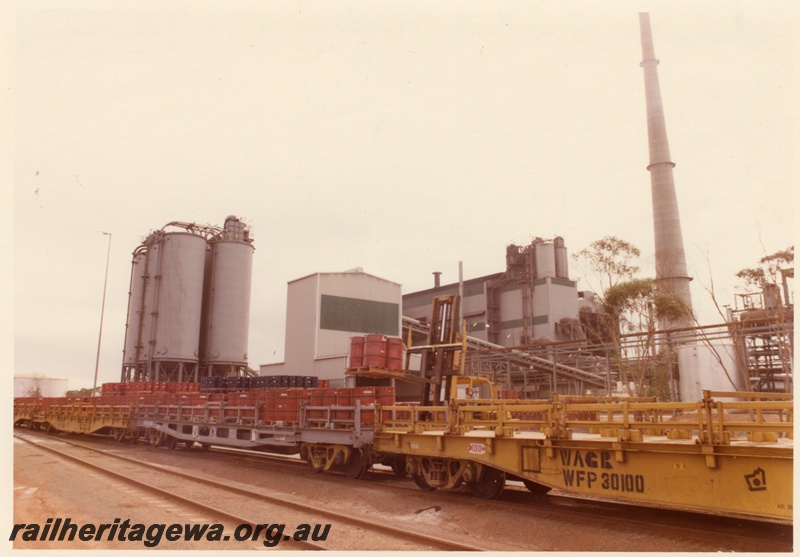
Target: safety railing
<point>709,421</point>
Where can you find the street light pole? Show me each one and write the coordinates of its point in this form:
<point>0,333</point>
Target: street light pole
<point>102,312</point>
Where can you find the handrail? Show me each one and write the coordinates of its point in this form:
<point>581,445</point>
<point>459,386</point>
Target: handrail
<point>716,422</point>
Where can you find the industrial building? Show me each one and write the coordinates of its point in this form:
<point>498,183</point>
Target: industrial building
<point>324,310</point>
<point>189,307</point>
<point>533,301</point>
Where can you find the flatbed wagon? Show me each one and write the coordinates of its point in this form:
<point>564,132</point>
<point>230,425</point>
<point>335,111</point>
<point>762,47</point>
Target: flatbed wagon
<point>720,456</point>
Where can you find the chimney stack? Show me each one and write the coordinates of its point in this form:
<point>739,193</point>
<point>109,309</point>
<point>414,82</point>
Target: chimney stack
<point>671,269</point>
<point>437,279</point>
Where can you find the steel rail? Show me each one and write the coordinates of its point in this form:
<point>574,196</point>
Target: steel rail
<point>405,533</point>
<point>158,491</point>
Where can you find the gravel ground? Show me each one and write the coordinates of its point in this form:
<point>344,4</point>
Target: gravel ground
<point>46,486</point>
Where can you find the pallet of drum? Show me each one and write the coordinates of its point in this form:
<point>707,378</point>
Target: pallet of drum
<point>337,407</point>
<point>323,407</point>
<point>378,351</point>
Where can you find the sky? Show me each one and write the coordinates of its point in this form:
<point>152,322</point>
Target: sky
<point>400,137</point>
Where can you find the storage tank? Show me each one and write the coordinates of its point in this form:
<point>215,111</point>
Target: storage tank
<point>164,307</point>
<point>136,353</point>
<point>712,368</point>
<point>177,298</point>
<point>545,260</point>
<point>39,385</point>
<point>130,356</point>
<point>227,298</point>
<point>562,264</point>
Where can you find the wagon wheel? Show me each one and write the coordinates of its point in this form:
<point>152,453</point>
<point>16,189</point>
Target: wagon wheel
<point>119,434</point>
<point>536,489</point>
<point>205,446</point>
<point>422,483</point>
<point>358,465</point>
<point>310,461</point>
<point>490,486</point>
<point>155,438</point>
<point>171,442</point>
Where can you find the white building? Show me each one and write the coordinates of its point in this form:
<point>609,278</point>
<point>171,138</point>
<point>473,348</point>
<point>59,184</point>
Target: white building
<point>39,385</point>
<point>324,310</point>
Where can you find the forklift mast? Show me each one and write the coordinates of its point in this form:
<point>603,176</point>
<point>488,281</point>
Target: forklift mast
<point>442,358</point>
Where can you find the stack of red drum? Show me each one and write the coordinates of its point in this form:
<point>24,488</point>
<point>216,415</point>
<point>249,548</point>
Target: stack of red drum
<point>377,351</point>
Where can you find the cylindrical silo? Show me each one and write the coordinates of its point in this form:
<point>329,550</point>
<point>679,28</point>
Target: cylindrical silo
<point>135,298</point>
<point>177,300</point>
<point>708,367</point>
<point>227,303</point>
<point>140,307</point>
<point>545,260</point>
<point>562,264</point>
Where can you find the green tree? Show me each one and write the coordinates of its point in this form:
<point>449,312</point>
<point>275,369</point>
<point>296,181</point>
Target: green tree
<point>769,269</point>
<point>612,259</point>
<point>636,307</point>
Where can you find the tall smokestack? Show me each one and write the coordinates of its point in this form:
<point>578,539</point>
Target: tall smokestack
<point>670,257</point>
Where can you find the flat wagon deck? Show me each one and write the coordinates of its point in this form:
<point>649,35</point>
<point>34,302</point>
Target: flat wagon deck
<point>723,456</point>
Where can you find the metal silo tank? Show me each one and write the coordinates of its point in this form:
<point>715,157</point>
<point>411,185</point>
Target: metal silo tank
<point>562,263</point>
<point>136,350</point>
<point>177,297</point>
<point>150,285</point>
<point>545,260</point>
<point>135,300</point>
<point>228,302</point>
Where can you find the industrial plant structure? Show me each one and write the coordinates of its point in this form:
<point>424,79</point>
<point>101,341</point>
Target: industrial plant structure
<point>671,271</point>
<point>189,303</point>
<point>189,307</point>
<point>324,310</point>
<point>533,300</point>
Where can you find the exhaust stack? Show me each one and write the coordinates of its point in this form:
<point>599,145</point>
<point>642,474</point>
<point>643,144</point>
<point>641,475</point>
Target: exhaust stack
<point>671,269</point>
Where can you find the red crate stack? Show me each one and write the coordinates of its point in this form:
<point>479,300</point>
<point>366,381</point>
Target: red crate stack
<point>317,399</point>
<point>270,406</point>
<point>385,397</point>
<point>241,406</point>
<point>303,399</point>
<point>366,397</point>
<point>344,397</point>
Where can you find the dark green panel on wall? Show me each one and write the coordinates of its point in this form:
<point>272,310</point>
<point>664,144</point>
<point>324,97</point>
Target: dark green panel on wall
<point>360,316</point>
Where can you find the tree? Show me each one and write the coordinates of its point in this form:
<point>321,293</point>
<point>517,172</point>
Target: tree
<point>637,306</point>
<point>769,269</point>
<point>87,391</point>
<point>612,259</point>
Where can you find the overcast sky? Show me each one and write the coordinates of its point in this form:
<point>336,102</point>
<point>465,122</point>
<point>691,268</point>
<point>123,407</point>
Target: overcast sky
<point>401,137</point>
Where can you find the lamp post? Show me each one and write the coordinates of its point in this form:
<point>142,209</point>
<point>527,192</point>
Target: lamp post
<point>102,312</point>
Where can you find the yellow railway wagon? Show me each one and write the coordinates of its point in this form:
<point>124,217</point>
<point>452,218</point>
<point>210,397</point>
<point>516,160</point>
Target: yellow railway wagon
<point>720,456</point>
<point>75,415</point>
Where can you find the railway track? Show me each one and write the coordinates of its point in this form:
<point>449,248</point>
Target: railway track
<point>702,532</point>
<point>388,537</point>
<point>726,533</point>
